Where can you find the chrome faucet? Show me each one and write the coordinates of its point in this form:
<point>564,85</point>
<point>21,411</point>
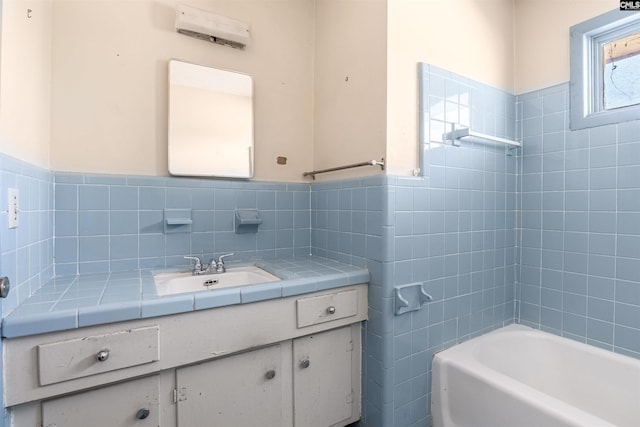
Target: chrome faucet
<point>220,268</point>
<point>213,267</point>
<point>198,267</point>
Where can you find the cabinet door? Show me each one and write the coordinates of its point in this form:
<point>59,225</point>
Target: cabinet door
<point>133,403</point>
<point>242,390</point>
<point>324,375</point>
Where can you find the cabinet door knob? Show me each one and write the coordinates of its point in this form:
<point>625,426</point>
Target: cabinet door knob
<point>142,414</point>
<point>331,310</point>
<point>271,374</point>
<point>305,364</point>
<point>102,355</point>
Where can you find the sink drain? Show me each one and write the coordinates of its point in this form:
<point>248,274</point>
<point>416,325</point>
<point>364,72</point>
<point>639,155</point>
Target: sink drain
<point>210,282</point>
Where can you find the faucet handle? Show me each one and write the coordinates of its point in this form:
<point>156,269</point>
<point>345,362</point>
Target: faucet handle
<point>220,258</point>
<point>220,268</point>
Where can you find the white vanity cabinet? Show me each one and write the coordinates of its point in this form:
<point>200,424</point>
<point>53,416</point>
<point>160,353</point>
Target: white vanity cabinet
<point>291,361</point>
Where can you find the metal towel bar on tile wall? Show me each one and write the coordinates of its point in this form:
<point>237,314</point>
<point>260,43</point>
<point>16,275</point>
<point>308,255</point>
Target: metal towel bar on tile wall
<point>380,163</point>
<point>457,135</point>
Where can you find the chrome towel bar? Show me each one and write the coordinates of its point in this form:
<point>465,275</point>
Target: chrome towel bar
<point>380,163</point>
<point>465,133</point>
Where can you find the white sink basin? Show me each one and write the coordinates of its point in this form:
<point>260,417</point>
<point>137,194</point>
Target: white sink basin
<point>177,283</point>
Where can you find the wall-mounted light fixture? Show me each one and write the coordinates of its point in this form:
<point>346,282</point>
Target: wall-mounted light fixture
<point>208,26</point>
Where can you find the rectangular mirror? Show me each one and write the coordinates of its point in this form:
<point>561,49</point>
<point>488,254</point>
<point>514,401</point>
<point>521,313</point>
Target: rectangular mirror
<point>210,122</point>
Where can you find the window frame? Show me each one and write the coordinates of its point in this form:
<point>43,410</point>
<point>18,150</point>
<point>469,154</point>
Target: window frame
<point>586,40</point>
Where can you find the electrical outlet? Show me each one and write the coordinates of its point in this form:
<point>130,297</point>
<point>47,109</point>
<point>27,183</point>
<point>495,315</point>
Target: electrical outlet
<point>13,207</point>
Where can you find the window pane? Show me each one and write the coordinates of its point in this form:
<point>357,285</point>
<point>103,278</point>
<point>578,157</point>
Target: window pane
<point>621,72</point>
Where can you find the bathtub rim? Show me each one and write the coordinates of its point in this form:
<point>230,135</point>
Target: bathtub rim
<point>463,347</point>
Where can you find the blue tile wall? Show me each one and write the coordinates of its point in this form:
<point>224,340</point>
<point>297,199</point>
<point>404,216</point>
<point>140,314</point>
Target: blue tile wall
<point>26,252</point>
<point>454,230</point>
<point>352,221</point>
<point>115,223</point>
<point>579,197</point>
<point>448,99</point>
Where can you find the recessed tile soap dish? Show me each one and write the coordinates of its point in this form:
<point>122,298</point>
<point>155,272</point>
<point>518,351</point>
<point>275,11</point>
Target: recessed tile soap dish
<point>410,297</point>
<point>177,221</point>
<point>247,221</point>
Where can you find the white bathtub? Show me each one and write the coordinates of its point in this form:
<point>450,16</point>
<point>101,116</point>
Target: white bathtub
<point>517,377</point>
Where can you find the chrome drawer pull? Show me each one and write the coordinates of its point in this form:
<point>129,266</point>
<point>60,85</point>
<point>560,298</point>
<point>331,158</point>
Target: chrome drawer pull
<point>331,310</point>
<point>142,414</point>
<point>102,356</point>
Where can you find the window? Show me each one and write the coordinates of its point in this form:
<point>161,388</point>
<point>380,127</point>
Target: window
<point>621,76</point>
<point>605,70</point>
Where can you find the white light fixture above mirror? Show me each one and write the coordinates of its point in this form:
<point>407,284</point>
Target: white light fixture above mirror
<point>208,26</point>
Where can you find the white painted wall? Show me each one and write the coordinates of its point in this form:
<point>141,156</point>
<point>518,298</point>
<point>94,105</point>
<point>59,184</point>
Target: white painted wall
<point>473,38</point>
<point>109,109</point>
<point>25,85</point>
<point>83,84</point>
<point>350,85</point>
<point>542,38</point>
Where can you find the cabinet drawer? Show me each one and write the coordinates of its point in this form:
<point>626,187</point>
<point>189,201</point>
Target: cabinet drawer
<point>132,403</point>
<point>325,308</point>
<point>82,357</point>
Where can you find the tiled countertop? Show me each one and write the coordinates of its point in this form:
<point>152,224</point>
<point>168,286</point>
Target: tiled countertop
<point>76,301</point>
